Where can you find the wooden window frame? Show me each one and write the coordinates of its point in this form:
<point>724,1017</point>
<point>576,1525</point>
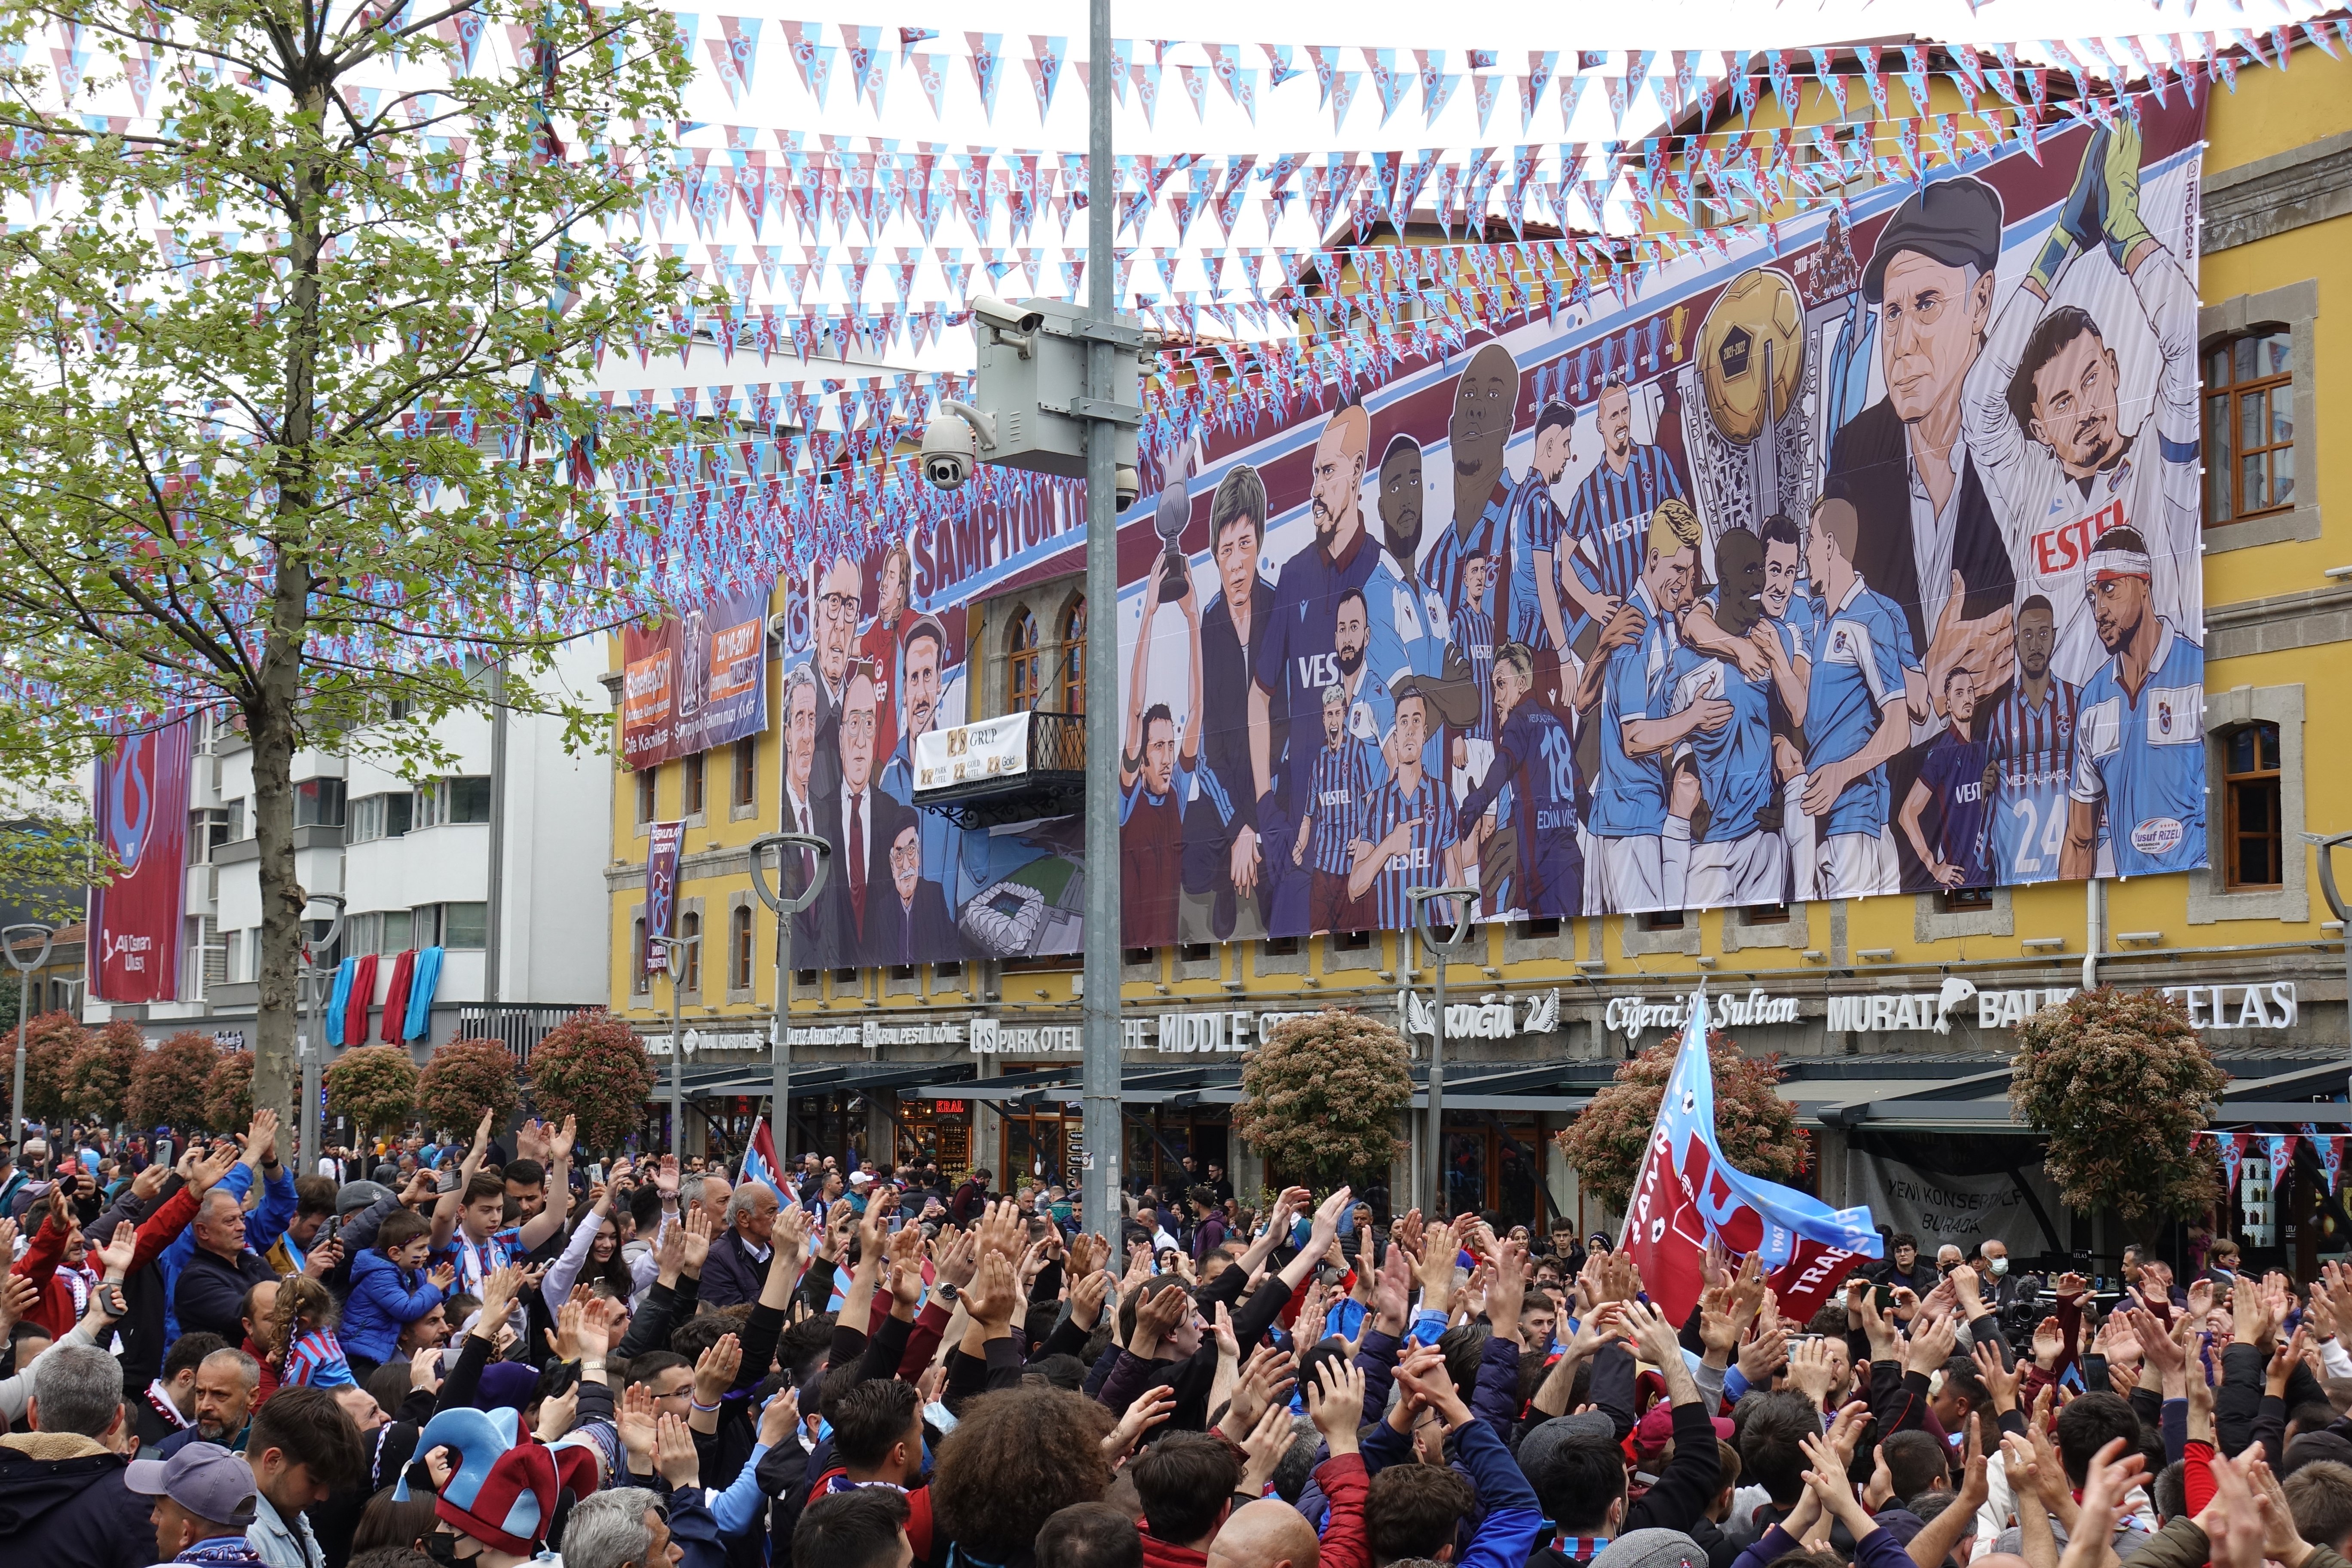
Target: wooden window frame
<point>2226,458</point>
<point>2232,835</point>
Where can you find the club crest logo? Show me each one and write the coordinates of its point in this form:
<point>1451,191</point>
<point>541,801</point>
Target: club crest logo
<point>2164,717</point>
<point>130,815</point>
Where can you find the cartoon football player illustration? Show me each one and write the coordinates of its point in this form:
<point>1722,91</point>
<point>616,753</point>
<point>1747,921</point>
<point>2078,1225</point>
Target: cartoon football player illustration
<point>2139,748</point>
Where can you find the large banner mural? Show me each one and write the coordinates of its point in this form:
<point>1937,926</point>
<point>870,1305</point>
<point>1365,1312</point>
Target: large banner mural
<point>142,817</point>
<point>1861,562</point>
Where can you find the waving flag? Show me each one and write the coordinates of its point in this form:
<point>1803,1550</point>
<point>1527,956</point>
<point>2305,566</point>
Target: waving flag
<point>1687,1193</point>
<point>760,1163</point>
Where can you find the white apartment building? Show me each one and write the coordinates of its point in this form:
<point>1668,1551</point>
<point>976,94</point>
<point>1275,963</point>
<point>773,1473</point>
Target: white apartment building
<point>523,940</point>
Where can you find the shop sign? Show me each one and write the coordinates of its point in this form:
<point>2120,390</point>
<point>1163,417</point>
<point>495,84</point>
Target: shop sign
<point>2263,1005</point>
<point>1490,1017</point>
<point>967,753</point>
<point>991,1038</point>
<point>1211,1031</point>
<point>869,1035</point>
<point>1631,1016</point>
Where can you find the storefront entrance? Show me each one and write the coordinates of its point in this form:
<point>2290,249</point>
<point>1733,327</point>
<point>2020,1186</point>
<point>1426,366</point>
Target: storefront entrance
<point>1495,1166</point>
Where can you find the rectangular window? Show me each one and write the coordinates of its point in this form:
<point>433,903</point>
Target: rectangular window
<point>1662,919</point>
<point>689,954</point>
<point>428,805</point>
<point>690,785</point>
<point>397,928</point>
<point>842,977</point>
<point>232,958</point>
<point>806,978</point>
<point>1281,946</point>
<point>2250,772</point>
<point>644,797</point>
<point>207,831</point>
<point>1764,915</point>
<point>738,949</point>
<point>2249,426</point>
<point>469,798</point>
<point>640,982</point>
<point>319,803</point>
<point>465,926</point>
<point>376,816</point>
<point>1196,952</point>
<point>949,971</point>
<point>1966,900</point>
<point>1541,926</point>
<point>1134,955</point>
<point>236,814</point>
<point>747,772</point>
<point>1352,940</point>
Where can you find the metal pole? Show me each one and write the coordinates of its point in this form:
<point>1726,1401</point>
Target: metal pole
<point>2326,844</point>
<point>1101,1061</point>
<point>310,1048</point>
<point>786,904</point>
<point>23,1002</point>
<point>1441,950</point>
<point>493,946</point>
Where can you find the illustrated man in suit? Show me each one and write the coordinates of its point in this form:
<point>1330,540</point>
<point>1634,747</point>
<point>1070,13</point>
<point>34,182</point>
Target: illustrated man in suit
<point>837,643</point>
<point>1929,539</point>
<point>914,926</point>
<point>801,702</point>
<point>861,822</point>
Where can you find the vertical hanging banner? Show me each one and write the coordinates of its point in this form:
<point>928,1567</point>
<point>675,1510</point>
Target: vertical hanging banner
<point>694,681</point>
<point>142,817</point>
<point>661,891</point>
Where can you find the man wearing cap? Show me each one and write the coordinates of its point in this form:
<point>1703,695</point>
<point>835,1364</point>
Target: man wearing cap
<point>203,1501</point>
<point>2140,743</point>
<point>2045,405</point>
<point>1930,541</point>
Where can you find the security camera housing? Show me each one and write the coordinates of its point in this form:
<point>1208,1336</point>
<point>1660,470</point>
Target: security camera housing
<point>951,452</point>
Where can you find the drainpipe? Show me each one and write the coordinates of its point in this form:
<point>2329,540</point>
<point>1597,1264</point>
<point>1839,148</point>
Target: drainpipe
<point>2094,936</point>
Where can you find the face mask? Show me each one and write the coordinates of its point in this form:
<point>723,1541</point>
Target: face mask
<point>2000,1267</point>
<point>442,1547</point>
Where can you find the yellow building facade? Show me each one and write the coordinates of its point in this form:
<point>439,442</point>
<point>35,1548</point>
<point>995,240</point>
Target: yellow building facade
<point>1892,1015</point>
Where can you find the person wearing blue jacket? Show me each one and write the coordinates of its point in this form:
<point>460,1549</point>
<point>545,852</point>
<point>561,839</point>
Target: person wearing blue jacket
<point>267,1223</point>
<point>1509,1519</point>
<point>390,1290</point>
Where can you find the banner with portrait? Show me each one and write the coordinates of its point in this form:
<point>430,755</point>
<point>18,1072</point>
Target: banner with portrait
<point>1858,562</point>
<point>694,681</point>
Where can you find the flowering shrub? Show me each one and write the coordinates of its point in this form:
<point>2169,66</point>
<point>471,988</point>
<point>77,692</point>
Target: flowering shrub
<point>373,1087</point>
<point>98,1075</point>
<point>465,1079</point>
<point>593,1066</point>
<point>1322,1095</point>
<point>2118,1081</point>
<point>167,1086</point>
<point>1756,1128</point>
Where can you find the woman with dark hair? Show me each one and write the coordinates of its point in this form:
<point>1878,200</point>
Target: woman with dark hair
<point>387,1521</point>
<point>1016,1458</point>
<point>595,1251</point>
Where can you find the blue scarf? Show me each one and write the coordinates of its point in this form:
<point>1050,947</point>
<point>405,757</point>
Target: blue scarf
<point>221,1551</point>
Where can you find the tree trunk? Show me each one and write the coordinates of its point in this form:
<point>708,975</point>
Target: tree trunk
<point>274,713</point>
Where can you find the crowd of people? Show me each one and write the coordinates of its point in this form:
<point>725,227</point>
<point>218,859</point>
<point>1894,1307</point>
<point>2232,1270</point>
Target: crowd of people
<point>492,1359</point>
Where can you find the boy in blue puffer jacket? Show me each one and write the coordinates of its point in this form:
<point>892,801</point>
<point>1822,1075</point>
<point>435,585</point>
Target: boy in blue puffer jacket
<point>390,1290</point>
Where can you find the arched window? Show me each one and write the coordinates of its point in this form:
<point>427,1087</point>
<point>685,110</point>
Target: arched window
<point>1024,667</point>
<point>1074,658</point>
<point>2250,779</point>
<point>2250,425</point>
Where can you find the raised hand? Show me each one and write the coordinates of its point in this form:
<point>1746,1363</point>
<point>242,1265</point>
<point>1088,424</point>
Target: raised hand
<point>120,1249</point>
<point>779,1416</point>
<point>481,1148</point>
<point>564,1338</point>
<point>498,1292</point>
<point>1335,1402</point>
<point>18,1295</point>
<point>556,1413</point>
<point>674,1453</point>
<point>994,1296</point>
<point>715,1371</point>
<point>1263,1449</point>
<point>148,1182</point>
<point>424,1369</point>
<point>1155,1316</point>
<point>261,1138</point>
<point>696,1231</point>
<point>1266,1379</point>
<point>1151,1408</point>
<point>634,1422</point>
<point>1999,1383</point>
<point>1086,1299</point>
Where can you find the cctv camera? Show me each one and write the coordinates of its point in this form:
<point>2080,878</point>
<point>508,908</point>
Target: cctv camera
<point>1125,486</point>
<point>1005,318</point>
<point>950,448</point>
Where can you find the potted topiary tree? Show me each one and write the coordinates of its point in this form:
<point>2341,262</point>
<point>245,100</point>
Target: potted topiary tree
<point>98,1075</point>
<point>167,1088</point>
<point>228,1092</point>
<point>465,1079</point>
<point>1321,1098</point>
<point>1755,1127</point>
<point>2118,1081</point>
<point>50,1041</point>
<point>593,1066</point>
<point>374,1089</point>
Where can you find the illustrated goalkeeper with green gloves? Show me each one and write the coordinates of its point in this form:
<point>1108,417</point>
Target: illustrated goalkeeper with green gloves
<point>2043,404</point>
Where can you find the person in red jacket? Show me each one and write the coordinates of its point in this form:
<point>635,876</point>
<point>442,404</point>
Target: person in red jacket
<point>58,1309</point>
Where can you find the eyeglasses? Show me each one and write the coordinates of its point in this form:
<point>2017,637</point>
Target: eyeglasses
<point>838,607</point>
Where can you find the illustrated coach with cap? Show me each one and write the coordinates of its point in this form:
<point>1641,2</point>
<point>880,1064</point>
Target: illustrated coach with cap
<point>1929,540</point>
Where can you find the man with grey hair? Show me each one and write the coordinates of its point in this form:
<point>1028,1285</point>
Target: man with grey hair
<point>62,1487</point>
<point>620,1527</point>
<point>737,1267</point>
<point>226,1381</point>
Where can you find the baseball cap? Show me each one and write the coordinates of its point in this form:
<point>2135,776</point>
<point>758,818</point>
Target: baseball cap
<point>203,1478</point>
<point>1537,1447</point>
<point>1956,222</point>
<point>861,1178</point>
<point>353,1196</point>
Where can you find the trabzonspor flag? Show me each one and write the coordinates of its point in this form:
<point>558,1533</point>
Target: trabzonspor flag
<point>1686,1192</point>
<point>760,1163</point>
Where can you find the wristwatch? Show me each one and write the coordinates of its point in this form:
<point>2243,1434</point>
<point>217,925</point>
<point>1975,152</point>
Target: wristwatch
<point>946,1291</point>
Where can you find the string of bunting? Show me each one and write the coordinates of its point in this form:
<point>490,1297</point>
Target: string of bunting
<point>2278,1148</point>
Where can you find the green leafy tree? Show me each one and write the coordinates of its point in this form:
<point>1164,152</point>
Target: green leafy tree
<point>294,415</point>
<point>593,1066</point>
<point>1756,1127</point>
<point>50,1041</point>
<point>98,1076</point>
<point>168,1088</point>
<point>2119,1082</point>
<point>228,1092</point>
<point>465,1079</point>
<point>1321,1097</point>
<point>374,1089</point>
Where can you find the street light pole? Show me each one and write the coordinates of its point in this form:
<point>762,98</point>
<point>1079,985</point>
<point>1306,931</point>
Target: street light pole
<point>788,848</point>
<point>1461,902</point>
<point>673,949</point>
<point>310,1048</point>
<point>1100,1070</point>
<point>13,940</point>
